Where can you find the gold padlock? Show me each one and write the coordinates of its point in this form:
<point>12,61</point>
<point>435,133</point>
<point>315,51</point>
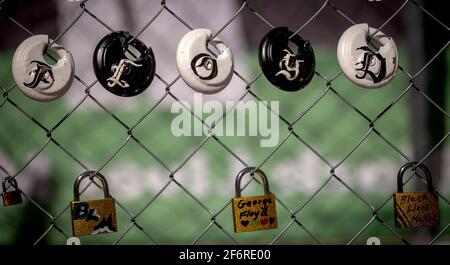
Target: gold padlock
<point>256,212</point>
<point>95,216</point>
<point>11,197</point>
<point>415,209</point>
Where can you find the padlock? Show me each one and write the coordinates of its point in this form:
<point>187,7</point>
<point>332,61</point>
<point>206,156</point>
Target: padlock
<point>415,209</point>
<point>288,69</point>
<point>373,241</point>
<point>73,241</point>
<point>95,216</point>
<point>199,68</point>
<point>367,57</point>
<point>36,78</point>
<point>11,197</point>
<point>123,65</point>
<point>256,212</point>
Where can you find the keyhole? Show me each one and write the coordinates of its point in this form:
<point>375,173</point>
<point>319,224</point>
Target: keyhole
<point>208,64</point>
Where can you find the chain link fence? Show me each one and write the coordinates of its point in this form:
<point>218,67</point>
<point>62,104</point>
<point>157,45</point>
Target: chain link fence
<point>216,217</point>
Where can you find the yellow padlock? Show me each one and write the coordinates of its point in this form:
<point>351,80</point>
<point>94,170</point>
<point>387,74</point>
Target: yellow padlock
<point>415,209</point>
<point>256,212</point>
<point>95,216</point>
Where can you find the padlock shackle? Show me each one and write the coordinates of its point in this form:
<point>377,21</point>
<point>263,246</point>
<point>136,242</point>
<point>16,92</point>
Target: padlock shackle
<point>7,177</point>
<point>11,180</point>
<point>409,165</point>
<point>247,170</point>
<point>90,174</point>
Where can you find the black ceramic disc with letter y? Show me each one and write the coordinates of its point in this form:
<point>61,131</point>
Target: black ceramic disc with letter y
<point>287,68</point>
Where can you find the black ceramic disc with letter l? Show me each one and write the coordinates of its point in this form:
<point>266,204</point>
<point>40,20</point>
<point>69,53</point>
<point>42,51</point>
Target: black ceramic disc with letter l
<point>116,71</point>
<point>287,68</point>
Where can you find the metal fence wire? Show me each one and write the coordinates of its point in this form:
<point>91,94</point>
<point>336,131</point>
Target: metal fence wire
<point>247,90</point>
